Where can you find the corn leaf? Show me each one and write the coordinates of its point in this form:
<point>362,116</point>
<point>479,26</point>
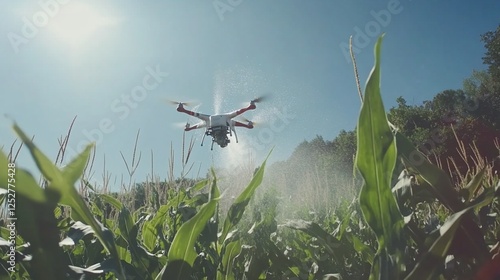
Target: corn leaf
<point>232,249</point>
<point>474,184</point>
<point>28,186</point>
<point>328,241</point>
<point>375,159</point>
<point>125,223</point>
<point>439,184</point>
<point>62,183</point>
<point>111,200</point>
<point>427,267</point>
<point>151,228</point>
<point>181,254</point>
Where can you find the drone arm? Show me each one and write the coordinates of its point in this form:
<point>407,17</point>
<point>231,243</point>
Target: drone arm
<point>191,128</point>
<point>249,125</point>
<point>181,109</point>
<point>242,110</point>
<point>196,126</point>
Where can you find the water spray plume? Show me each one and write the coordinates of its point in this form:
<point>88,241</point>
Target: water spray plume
<point>218,93</point>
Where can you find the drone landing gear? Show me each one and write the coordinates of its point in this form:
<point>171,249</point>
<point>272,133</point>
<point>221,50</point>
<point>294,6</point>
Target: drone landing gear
<point>203,138</point>
<point>231,130</point>
<point>235,136</point>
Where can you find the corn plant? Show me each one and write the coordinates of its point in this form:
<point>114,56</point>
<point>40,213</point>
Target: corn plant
<point>379,149</point>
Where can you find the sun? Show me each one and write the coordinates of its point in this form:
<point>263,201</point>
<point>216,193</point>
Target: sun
<point>78,22</point>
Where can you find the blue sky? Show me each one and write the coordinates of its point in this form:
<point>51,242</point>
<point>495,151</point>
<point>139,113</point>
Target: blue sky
<point>112,64</point>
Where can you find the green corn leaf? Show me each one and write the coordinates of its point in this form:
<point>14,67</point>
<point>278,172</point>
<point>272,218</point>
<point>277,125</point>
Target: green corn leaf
<point>149,235</point>
<point>44,164</point>
<point>62,183</point>
<point>112,201</point>
<point>214,191</point>
<point>435,180</point>
<point>256,266</point>
<point>151,228</point>
<point>366,252</point>
<point>428,266</point>
<point>375,159</point>
<point>36,223</point>
<point>198,186</point>
<point>485,198</point>
<point>281,262</point>
<point>474,184</point>
<point>144,262</point>
<point>440,184</point>
<point>232,249</point>
<point>24,184</point>
<point>340,231</point>
<point>122,248</point>
<point>327,240</point>
<point>125,223</point>
<point>237,209</point>
<point>181,254</point>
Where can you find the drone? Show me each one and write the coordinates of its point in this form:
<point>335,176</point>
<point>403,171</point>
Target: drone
<point>218,126</point>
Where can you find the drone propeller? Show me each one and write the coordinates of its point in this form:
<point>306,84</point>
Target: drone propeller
<point>182,125</point>
<point>260,98</point>
<point>176,103</point>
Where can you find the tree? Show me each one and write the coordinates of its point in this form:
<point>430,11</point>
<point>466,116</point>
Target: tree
<point>484,97</point>
<point>413,121</point>
<point>344,150</point>
<point>470,114</point>
<point>491,58</point>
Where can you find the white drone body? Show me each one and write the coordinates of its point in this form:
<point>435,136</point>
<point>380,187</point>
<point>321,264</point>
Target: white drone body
<point>219,126</point>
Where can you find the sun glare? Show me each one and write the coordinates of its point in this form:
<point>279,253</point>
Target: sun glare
<point>77,23</point>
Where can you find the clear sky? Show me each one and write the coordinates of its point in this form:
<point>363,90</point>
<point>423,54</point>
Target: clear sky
<point>112,63</point>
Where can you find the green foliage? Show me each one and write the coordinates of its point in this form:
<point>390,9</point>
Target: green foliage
<point>454,125</point>
<point>491,40</point>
